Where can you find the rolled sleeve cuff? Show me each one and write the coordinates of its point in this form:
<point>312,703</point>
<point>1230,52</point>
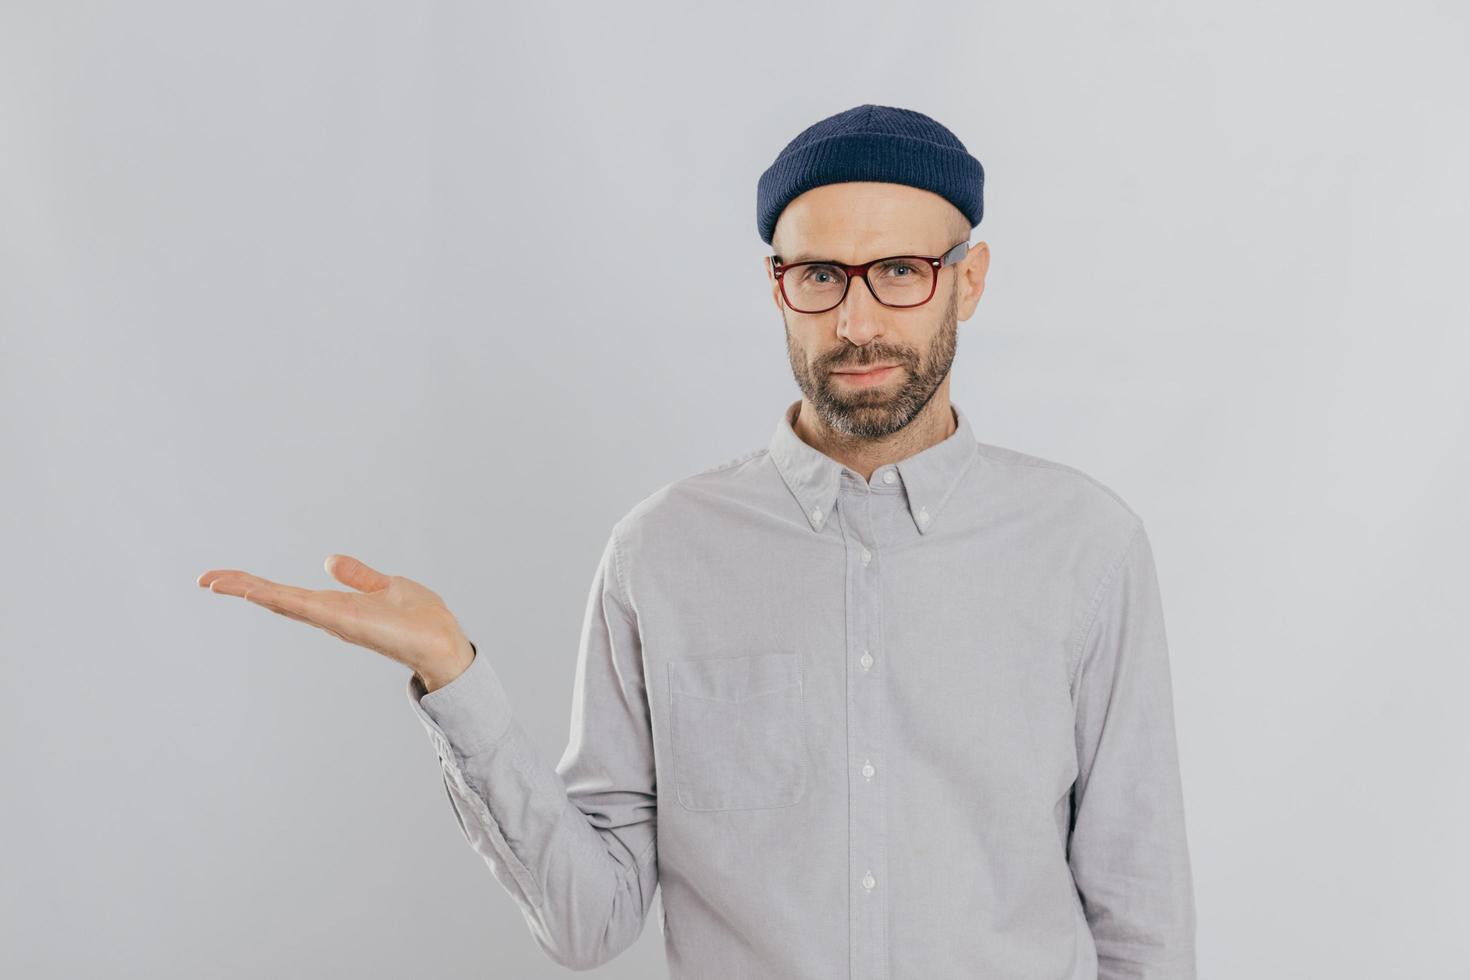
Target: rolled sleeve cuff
<point>467,714</point>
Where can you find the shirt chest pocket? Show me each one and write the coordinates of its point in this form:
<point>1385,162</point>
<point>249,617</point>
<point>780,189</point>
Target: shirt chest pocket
<point>738,731</point>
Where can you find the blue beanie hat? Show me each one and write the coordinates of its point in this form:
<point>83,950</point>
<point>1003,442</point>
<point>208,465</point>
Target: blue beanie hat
<point>872,142</point>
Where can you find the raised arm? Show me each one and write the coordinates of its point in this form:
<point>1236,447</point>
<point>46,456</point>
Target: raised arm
<point>575,844</point>
<point>572,844</point>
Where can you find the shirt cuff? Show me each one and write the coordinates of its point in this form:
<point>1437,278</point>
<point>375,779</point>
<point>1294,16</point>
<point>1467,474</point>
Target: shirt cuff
<point>467,714</point>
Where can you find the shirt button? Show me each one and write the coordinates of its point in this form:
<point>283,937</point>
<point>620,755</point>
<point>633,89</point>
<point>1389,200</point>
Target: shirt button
<point>888,477</point>
<point>869,881</point>
<point>867,556</point>
<point>923,516</point>
<point>866,660</point>
<point>816,513</point>
<point>868,769</point>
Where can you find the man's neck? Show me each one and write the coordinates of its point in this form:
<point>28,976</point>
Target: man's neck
<point>934,423</point>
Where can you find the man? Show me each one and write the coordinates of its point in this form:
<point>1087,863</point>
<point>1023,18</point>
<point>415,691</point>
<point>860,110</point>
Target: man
<point>875,700</point>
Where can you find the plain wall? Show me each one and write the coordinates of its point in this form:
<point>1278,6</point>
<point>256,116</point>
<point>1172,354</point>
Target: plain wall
<point>279,280</point>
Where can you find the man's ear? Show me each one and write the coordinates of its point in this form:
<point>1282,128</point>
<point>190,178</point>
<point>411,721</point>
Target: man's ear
<point>972,284</point>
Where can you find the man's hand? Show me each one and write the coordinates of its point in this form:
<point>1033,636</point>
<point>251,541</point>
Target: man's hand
<point>396,616</point>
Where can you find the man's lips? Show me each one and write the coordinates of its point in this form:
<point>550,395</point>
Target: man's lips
<point>868,375</point>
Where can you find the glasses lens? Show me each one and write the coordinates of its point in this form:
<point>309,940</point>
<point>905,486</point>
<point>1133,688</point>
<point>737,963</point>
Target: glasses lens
<point>902,282</point>
<point>816,287</point>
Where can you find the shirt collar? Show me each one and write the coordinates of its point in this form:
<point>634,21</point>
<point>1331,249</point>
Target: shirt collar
<point>928,477</point>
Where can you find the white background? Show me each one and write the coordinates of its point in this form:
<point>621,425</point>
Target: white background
<point>279,280</point>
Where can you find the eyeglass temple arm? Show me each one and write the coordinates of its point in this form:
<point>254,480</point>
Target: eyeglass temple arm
<point>955,254</point>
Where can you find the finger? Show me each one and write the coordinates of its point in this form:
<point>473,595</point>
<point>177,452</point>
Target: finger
<point>237,583</point>
<point>350,571</point>
<point>230,581</point>
<point>258,597</point>
<point>324,609</point>
<point>215,574</point>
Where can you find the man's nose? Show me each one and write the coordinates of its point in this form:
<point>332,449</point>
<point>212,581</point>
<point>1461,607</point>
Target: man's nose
<point>858,316</point>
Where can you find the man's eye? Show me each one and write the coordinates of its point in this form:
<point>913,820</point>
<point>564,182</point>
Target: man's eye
<point>819,274</point>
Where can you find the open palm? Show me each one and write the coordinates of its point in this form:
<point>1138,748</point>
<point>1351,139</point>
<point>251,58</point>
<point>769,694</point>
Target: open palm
<point>395,616</point>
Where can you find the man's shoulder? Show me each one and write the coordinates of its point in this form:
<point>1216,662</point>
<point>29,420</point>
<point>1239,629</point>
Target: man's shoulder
<point>1040,482</point>
<point>675,497</point>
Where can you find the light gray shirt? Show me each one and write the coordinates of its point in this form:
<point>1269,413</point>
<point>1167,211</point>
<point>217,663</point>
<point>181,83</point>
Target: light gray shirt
<point>919,727</point>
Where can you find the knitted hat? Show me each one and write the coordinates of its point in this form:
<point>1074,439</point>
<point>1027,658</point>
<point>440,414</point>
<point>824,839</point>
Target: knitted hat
<point>872,142</point>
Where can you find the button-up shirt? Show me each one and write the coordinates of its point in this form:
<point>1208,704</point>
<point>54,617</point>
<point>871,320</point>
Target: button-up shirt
<point>915,726</point>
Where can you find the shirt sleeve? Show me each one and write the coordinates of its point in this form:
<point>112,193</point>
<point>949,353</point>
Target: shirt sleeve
<point>574,844</point>
<point>1127,847</point>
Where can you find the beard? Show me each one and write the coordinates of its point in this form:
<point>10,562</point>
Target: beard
<point>883,409</point>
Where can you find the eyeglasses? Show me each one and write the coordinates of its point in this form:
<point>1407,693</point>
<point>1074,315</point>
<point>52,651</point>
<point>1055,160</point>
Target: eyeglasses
<point>900,281</point>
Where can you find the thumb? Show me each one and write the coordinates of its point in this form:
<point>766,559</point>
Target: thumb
<point>350,571</point>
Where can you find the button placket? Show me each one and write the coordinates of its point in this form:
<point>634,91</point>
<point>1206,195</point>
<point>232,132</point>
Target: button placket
<point>867,726</point>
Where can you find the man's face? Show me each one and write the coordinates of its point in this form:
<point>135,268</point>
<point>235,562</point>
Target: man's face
<point>854,222</point>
